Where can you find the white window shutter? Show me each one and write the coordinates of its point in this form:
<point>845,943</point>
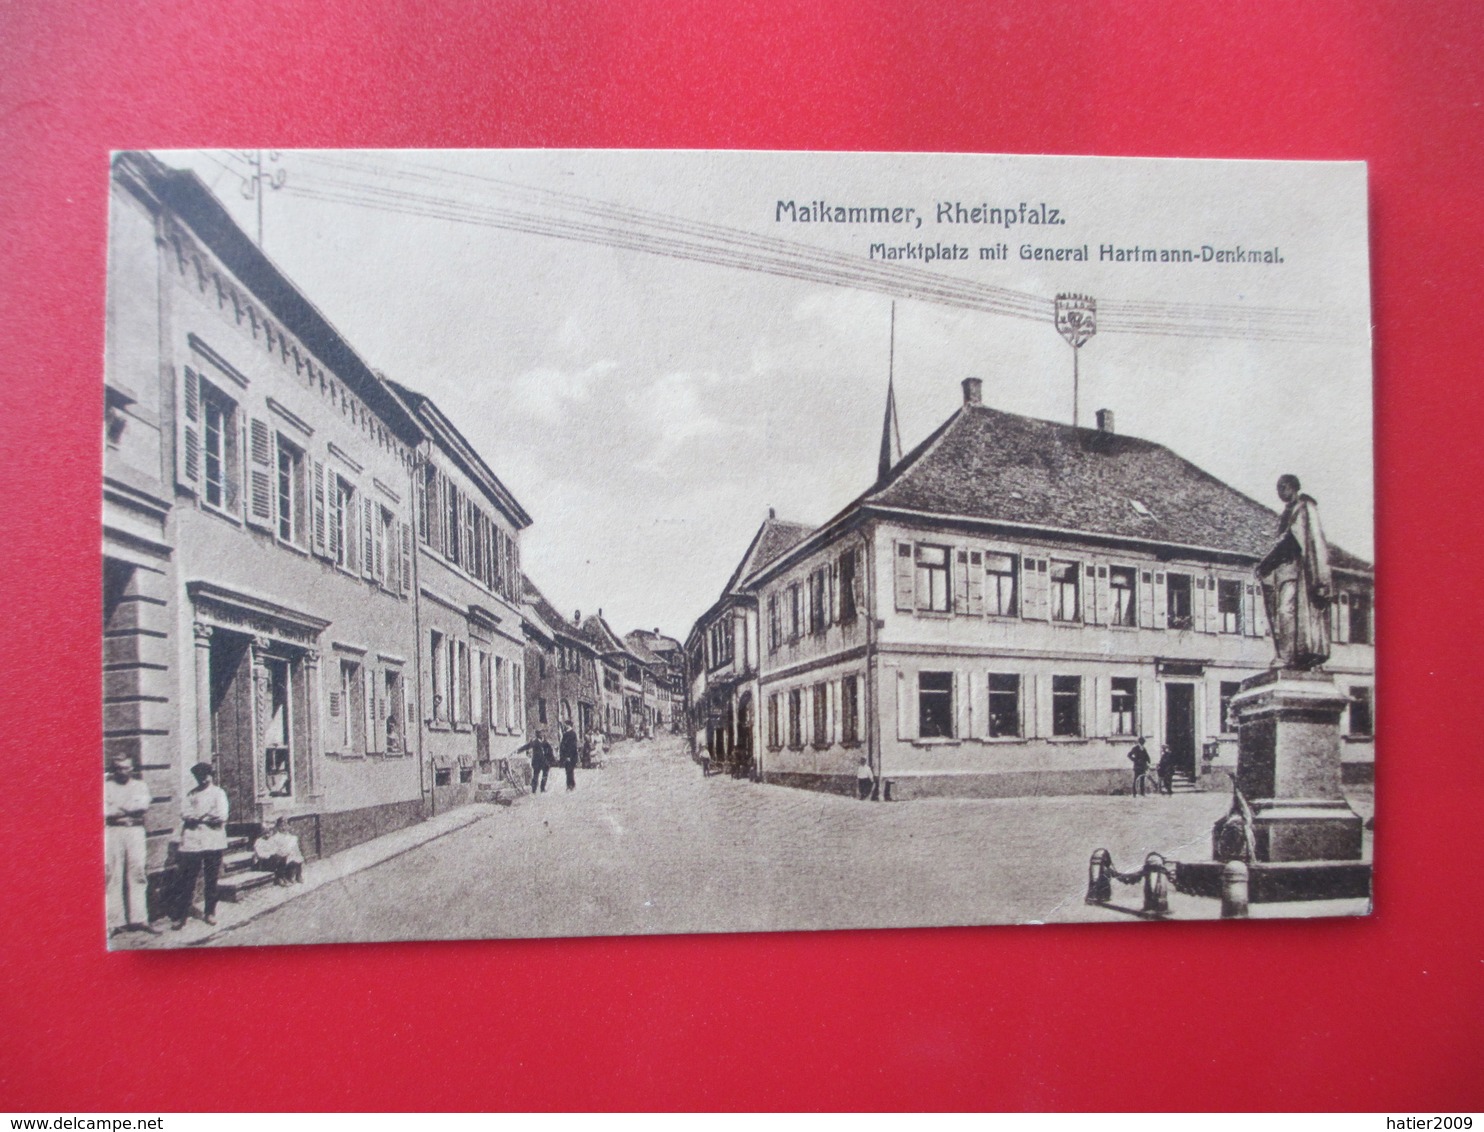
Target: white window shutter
<point>406,572</point>
<point>978,704</point>
<point>188,434</point>
<point>317,507</point>
<point>975,575</point>
<point>1146,598</point>
<point>904,570</point>
<point>1209,615</point>
<point>260,493</point>
<point>368,542</point>
<point>960,713</point>
<point>906,717</point>
<point>337,518</point>
<point>960,580</point>
<point>1161,602</point>
<point>1099,603</point>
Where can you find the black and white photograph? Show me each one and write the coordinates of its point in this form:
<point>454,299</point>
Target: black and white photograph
<point>548,543</point>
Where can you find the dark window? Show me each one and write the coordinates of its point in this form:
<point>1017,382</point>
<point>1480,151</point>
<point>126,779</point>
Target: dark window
<point>935,705</point>
<point>443,776</point>
<point>775,628</point>
<point>1177,600</point>
<point>847,587</point>
<point>821,715</point>
<point>1360,619</point>
<point>1066,705</point>
<point>796,718</point>
<point>849,710</point>
<point>1065,585</point>
<point>774,740</point>
<point>1004,705</point>
<point>1123,589</point>
<point>1229,688</point>
<point>1360,711</point>
<point>795,612</point>
<point>819,608</point>
<point>1229,604</point>
<point>999,584</point>
<point>932,578</point>
<point>1125,705</point>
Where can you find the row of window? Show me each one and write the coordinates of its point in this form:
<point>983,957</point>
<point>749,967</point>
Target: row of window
<point>828,596</point>
<point>935,578</point>
<point>818,715</point>
<point>454,524</point>
<point>368,712</point>
<point>303,503</point>
<point>470,685</point>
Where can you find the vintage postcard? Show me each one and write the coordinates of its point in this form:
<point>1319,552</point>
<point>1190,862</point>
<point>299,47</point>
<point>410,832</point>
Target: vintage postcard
<point>550,543</point>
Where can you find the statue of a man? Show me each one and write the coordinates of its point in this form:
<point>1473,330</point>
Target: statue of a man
<point>1296,583</point>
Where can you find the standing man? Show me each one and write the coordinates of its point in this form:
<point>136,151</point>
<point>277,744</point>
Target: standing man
<point>541,759</point>
<point>203,841</point>
<point>1139,755</point>
<point>568,754</point>
<point>125,802</point>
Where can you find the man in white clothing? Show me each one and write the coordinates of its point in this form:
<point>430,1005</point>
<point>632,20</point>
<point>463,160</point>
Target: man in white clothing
<point>203,841</point>
<point>125,802</point>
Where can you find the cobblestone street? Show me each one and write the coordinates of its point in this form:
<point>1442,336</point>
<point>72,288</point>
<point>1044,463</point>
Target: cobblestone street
<point>647,845</point>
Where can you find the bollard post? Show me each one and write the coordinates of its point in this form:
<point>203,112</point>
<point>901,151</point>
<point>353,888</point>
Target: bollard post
<point>1234,890</point>
<point>1099,877</point>
<point>1156,893</point>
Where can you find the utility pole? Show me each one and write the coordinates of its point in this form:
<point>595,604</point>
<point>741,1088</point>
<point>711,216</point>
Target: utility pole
<point>1076,321</point>
<point>255,185</point>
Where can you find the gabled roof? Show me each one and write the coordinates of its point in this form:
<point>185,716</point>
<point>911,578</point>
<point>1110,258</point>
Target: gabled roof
<point>656,642</point>
<point>640,650</point>
<point>187,196</point>
<point>546,614</point>
<point>773,539</point>
<point>447,436</point>
<point>596,632</point>
<point>984,464</point>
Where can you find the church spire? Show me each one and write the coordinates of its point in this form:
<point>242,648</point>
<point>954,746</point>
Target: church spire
<point>890,430</point>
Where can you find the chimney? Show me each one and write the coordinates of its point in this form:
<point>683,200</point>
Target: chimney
<point>1105,421</point>
<point>577,617</point>
<point>973,391</point>
<point>772,514</point>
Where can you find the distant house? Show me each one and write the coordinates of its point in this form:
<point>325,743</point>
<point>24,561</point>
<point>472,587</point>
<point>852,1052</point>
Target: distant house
<point>567,688</point>
<point>669,675</point>
<point>623,690</point>
<point>469,595</point>
<point>721,655</point>
<point>1013,603</point>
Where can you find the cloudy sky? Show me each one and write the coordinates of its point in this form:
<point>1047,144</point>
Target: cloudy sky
<point>647,409</point>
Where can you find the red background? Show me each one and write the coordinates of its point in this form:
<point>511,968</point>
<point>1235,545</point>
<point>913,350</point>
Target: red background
<point>1380,1014</point>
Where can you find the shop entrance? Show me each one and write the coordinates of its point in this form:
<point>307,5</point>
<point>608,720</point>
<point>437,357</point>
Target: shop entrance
<point>1180,726</point>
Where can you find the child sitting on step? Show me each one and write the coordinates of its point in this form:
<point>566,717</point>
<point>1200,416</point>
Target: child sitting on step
<point>279,852</point>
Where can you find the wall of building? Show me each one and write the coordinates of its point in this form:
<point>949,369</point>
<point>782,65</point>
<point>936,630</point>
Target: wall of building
<point>337,621</point>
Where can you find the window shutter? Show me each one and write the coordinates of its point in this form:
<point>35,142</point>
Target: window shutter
<point>833,570</point>
<point>1146,598</point>
<point>1035,595</point>
<point>1100,718</point>
<point>1100,605</point>
<point>260,491</point>
<point>1030,707</point>
<point>978,705</point>
<point>317,505</point>
<point>1257,610</point>
<point>976,583</point>
<point>960,714</point>
<point>405,574</point>
<point>368,699</point>
<point>368,539</point>
<point>904,576</point>
<point>1341,631</point>
<point>960,582</point>
<point>233,436</point>
<point>1210,617</point>
<point>906,707</point>
<point>1161,602</point>
<point>188,442</point>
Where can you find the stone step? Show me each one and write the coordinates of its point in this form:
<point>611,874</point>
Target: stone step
<point>236,860</point>
<point>231,888</point>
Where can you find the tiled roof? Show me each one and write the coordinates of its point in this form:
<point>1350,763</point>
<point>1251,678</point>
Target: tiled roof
<point>596,632</point>
<point>546,611</point>
<point>773,539</point>
<point>986,464</point>
<point>636,645</point>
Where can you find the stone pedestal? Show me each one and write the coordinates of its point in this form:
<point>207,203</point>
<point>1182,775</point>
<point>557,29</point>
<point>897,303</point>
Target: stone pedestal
<point>1288,768</point>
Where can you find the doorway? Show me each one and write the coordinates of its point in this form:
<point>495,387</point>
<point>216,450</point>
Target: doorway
<point>1180,726</point>
<point>231,720</point>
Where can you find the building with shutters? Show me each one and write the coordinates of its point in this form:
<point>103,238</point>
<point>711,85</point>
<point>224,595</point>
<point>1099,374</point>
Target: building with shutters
<point>566,685</point>
<point>259,588</point>
<point>721,656</point>
<point>1012,604</point>
<point>470,594</point>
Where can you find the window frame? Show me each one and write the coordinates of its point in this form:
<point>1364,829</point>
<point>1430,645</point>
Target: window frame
<point>931,574</point>
<point>1058,589</point>
<point>1065,689</point>
<point>995,580</point>
<point>227,456</point>
<point>1123,722</point>
<point>931,701</point>
<point>1127,618</point>
<point>1012,691</point>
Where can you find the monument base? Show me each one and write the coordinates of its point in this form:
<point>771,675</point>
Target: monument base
<point>1281,883</point>
<point>1290,830</point>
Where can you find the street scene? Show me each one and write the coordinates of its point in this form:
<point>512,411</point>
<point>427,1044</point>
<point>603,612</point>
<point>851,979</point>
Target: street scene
<point>483,557</point>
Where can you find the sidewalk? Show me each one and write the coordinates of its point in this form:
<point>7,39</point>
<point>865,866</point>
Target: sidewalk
<point>317,874</point>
